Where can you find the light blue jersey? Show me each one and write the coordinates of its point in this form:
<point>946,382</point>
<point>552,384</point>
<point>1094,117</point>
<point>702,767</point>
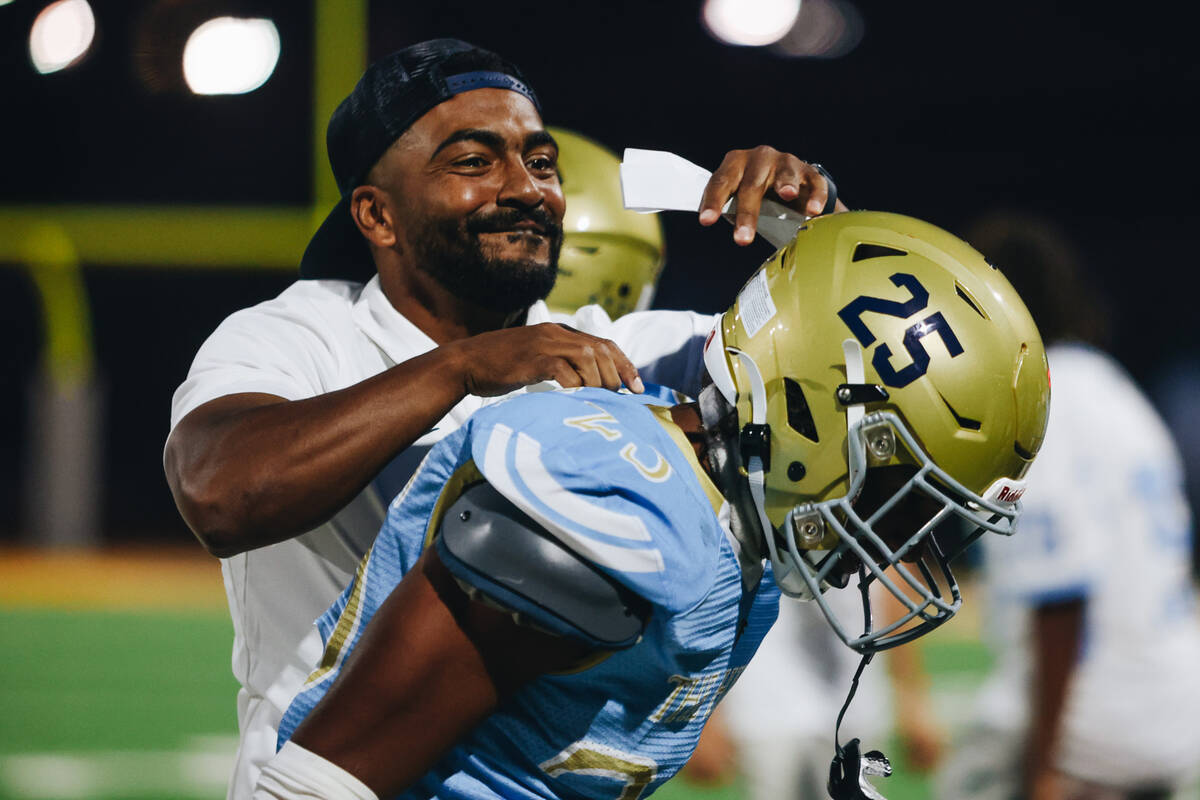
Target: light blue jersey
<point>610,476</point>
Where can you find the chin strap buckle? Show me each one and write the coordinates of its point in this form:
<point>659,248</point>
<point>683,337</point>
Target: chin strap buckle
<point>854,394</point>
<point>850,769</point>
<point>755,440</point>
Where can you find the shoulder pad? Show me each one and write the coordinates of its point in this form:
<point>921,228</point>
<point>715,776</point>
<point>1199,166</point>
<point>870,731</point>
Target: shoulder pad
<point>491,545</point>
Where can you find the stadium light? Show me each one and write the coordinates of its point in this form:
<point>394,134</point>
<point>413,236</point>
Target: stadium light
<point>824,29</point>
<point>750,22</point>
<point>61,35</point>
<point>228,55</point>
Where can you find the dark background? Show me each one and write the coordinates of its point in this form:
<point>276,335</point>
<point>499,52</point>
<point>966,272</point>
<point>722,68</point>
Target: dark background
<point>945,110</point>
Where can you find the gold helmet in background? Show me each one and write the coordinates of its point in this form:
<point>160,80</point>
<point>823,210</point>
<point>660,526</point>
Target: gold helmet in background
<point>610,256</point>
<point>880,368</point>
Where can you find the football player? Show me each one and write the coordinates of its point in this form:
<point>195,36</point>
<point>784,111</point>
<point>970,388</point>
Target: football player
<point>1092,609</point>
<point>610,256</point>
<point>571,581</point>
<point>613,257</point>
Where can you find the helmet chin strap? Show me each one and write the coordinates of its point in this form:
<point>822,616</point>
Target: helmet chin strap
<point>856,373</point>
<point>851,768</point>
<point>787,577</point>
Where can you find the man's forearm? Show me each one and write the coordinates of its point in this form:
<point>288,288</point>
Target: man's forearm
<point>252,470</point>
<point>431,665</point>
<point>1057,633</point>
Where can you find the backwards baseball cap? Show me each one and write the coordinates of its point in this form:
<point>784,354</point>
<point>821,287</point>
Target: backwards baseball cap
<point>392,94</point>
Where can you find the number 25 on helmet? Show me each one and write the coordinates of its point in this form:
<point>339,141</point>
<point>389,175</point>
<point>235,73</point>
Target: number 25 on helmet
<point>887,380</point>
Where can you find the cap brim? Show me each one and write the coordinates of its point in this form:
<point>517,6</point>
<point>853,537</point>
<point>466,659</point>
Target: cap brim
<point>338,251</point>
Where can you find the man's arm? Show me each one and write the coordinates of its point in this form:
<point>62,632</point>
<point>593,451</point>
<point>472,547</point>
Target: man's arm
<point>431,665</point>
<point>1057,634</point>
<point>466,626</point>
<point>248,470</point>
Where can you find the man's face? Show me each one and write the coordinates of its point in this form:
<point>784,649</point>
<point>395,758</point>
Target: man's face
<point>475,181</point>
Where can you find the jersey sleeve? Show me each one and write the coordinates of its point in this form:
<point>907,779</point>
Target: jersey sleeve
<point>595,470</point>
<point>280,347</point>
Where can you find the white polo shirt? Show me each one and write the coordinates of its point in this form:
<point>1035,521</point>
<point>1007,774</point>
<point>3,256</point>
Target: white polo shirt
<point>318,337</point>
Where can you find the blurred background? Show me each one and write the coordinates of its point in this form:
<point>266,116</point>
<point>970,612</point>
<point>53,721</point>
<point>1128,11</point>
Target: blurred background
<point>164,165</point>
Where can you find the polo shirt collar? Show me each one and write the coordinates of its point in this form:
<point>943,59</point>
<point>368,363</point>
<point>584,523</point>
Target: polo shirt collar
<point>395,335</point>
<point>391,331</point>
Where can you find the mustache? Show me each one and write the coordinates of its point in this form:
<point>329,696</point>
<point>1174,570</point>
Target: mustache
<point>507,219</point>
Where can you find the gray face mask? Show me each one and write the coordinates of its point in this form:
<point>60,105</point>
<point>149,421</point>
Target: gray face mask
<point>885,542</point>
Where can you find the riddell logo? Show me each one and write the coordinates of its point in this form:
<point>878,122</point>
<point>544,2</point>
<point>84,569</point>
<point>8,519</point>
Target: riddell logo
<point>1009,495</point>
<point>711,335</point>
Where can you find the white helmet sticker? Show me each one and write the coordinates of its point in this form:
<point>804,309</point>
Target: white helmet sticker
<point>755,306</point>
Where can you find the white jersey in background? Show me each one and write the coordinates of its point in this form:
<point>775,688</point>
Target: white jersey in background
<point>1105,519</point>
<point>317,337</point>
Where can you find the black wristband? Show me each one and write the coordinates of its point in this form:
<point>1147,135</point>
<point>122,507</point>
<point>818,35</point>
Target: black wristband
<point>831,200</point>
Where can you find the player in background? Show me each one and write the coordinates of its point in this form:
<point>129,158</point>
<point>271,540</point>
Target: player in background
<point>611,257</point>
<point>776,726</point>
<point>1091,609</point>
<point>573,579</point>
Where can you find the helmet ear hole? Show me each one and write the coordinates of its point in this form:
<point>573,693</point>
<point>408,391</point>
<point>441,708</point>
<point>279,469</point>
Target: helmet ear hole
<point>799,415</point>
<point>866,250</point>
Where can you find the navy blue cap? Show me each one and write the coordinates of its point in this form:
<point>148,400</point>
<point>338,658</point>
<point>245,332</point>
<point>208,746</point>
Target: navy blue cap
<point>392,94</point>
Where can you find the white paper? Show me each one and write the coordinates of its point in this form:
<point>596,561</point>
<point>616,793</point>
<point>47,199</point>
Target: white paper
<point>655,180</point>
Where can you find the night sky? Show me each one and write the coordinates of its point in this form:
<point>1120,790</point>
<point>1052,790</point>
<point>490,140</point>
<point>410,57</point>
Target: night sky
<point>945,110</point>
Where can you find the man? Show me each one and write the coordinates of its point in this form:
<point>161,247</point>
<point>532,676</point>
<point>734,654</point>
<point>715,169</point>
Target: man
<point>302,417</point>
<point>572,580</point>
<point>1091,607</point>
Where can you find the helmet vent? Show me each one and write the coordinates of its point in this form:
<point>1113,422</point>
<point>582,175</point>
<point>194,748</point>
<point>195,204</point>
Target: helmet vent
<point>799,417</point>
<point>865,251</point>
<point>966,298</point>
<point>1022,452</point>
<point>963,422</point>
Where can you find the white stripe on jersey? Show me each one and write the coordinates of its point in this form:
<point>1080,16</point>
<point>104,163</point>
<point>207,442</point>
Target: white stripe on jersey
<point>570,505</point>
<point>584,514</point>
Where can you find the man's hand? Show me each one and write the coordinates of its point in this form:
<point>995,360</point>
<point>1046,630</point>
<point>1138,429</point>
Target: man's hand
<point>498,362</point>
<point>748,175</point>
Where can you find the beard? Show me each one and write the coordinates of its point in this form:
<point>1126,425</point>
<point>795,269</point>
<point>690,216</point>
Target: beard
<point>450,251</point>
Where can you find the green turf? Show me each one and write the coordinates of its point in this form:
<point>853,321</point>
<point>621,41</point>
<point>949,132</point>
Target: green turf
<point>107,682</point>
<point>955,657</point>
<point>74,681</point>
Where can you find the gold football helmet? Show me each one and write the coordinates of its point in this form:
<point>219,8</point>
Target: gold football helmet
<point>610,256</point>
<point>887,379</point>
